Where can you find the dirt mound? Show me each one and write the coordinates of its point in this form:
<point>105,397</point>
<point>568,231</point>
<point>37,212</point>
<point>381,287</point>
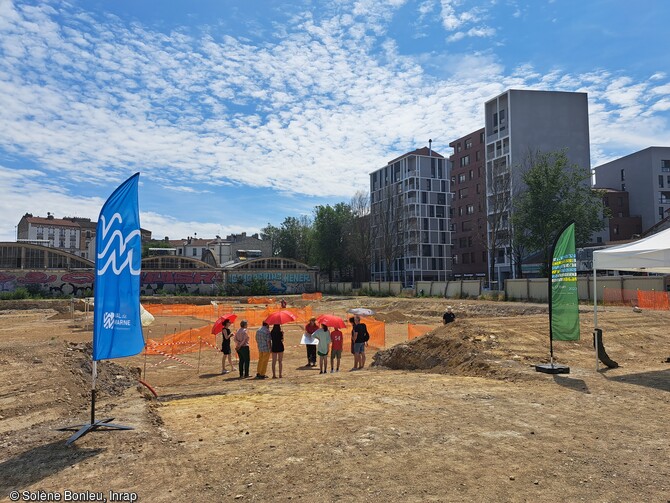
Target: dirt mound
<point>112,379</point>
<point>446,351</point>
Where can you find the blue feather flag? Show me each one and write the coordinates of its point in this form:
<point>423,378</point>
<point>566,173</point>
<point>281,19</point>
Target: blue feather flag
<point>117,327</point>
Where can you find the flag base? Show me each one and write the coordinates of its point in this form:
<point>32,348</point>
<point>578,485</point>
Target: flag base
<point>552,369</point>
<point>83,429</point>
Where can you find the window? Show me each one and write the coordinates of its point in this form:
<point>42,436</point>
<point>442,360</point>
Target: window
<point>660,181</point>
<point>462,242</point>
<point>478,155</point>
<point>195,252</point>
<point>465,160</point>
<point>665,165</point>
<point>660,211</point>
<point>462,193</point>
<point>470,209</point>
<point>481,137</point>
<point>458,147</point>
<point>471,174</point>
<point>466,258</point>
<point>484,257</point>
<point>623,175</point>
<point>461,178</point>
<point>468,143</point>
<point>478,189</point>
<point>495,122</point>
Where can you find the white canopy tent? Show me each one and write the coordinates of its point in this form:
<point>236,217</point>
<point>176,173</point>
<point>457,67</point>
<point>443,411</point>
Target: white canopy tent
<point>651,254</point>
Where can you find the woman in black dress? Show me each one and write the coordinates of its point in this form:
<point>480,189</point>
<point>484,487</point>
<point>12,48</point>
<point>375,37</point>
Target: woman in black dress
<point>277,347</point>
<point>225,347</point>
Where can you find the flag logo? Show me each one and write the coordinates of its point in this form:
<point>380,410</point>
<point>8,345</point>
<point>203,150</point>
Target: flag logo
<point>114,253</point>
<point>108,321</point>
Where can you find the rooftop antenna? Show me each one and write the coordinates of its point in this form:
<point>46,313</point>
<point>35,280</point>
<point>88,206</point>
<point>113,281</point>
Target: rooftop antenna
<point>430,147</point>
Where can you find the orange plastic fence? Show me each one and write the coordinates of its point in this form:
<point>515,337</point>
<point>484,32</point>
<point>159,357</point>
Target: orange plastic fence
<point>653,300</point>
<point>312,296</point>
<point>260,300</point>
<point>205,312</point>
<point>414,331</point>
<point>377,331</point>
<point>619,297</point>
<point>192,341</point>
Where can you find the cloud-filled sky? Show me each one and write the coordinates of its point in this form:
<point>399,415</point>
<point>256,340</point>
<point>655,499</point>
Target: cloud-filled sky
<point>239,114</point>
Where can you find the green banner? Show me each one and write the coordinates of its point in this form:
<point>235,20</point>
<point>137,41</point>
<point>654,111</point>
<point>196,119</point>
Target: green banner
<point>564,299</point>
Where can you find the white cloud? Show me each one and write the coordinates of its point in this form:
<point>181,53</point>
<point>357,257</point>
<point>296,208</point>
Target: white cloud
<point>313,111</point>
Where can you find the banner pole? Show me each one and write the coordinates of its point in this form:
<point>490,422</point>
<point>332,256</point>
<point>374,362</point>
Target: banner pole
<point>94,375</point>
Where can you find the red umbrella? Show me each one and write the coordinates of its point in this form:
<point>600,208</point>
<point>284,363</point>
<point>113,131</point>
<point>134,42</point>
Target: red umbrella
<point>218,324</point>
<point>280,317</point>
<point>331,321</point>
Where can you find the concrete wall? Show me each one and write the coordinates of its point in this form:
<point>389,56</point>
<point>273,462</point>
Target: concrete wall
<point>392,287</point>
<point>341,287</point>
<point>464,288</point>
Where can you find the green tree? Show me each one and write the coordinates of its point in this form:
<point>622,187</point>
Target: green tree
<point>557,193</point>
<point>332,227</point>
<point>359,252</point>
<point>292,239</point>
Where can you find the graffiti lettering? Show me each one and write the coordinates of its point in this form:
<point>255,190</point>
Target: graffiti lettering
<point>78,278</point>
<point>179,278</point>
<point>36,277</point>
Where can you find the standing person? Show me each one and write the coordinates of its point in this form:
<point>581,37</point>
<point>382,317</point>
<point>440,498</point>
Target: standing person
<point>360,339</point>
<point>310,328</point>
<point>241,340</point>
<point>337,339</point>
<point>226,334</point>
<point>323,336</point>
<point>277,346</point>
<point>448,316</point>
<point>283,304</point>
<point>352,320</point>
<point>263,340</point>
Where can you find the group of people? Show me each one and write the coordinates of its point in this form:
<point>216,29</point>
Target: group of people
<point>271,342</point>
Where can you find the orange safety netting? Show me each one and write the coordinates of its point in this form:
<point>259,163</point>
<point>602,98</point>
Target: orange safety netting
<point>377,331</point>
<point>192,341</point>
<point>312,296</point>
<point>414,331</point>
<point>260,300</point>
<point>206,312</point>
<point>619,297</point>
<point>653,300</point>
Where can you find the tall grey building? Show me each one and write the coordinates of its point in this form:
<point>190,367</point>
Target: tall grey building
<point>410,234</point>
<point>518,123</point>
<point>645,175</point>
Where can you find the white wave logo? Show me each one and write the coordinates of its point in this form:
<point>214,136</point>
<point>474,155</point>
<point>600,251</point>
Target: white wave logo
<point>108,320</point>
<point>112,252</point>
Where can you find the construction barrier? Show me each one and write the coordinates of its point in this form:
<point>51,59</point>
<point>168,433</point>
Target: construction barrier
<point>414,331</point>
<point>205,312</point>
<point>377,331</point>
<point>260,300</point>
<point>653,300</point>
<point>312,296</point>
<point>619,297</point>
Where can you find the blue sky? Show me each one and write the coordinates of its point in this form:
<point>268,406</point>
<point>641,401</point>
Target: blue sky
<point>239,114</point>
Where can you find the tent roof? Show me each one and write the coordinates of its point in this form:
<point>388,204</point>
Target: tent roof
<point>651,254</point>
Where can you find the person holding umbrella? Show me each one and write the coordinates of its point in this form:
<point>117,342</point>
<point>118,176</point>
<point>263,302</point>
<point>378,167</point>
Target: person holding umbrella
<point>242,347</point>
<point>310,328</point>
<point>225,347</point>
<point>361,336</point>
<point>277,346</point>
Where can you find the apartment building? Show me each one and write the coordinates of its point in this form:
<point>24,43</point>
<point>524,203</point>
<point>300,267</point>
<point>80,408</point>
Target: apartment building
<point>410,235</point>
<point>518,123</point>
<point>60,233</point>
<point>645,176</point>
<point>468,206</point>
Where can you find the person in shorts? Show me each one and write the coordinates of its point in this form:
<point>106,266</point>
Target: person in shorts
<point>337,340</point>
<point>310,328</point>
<point>226,334</point>
<point>323,336</point>
<point>360,332</point>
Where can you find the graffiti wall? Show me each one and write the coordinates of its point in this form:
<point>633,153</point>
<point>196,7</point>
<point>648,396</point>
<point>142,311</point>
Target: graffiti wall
<point>50,282</point>
<point>194,282</point>
<point>80,283</point>
<point>278,282</point>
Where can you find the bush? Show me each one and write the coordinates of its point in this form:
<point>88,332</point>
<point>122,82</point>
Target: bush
<point>17,294</point>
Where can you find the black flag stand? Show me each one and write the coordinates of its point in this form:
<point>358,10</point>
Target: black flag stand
<point>553,368</point>
<point>85,428</point>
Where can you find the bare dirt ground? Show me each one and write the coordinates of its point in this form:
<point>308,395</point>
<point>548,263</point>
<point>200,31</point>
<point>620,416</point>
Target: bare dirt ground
<point>461,416</point>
